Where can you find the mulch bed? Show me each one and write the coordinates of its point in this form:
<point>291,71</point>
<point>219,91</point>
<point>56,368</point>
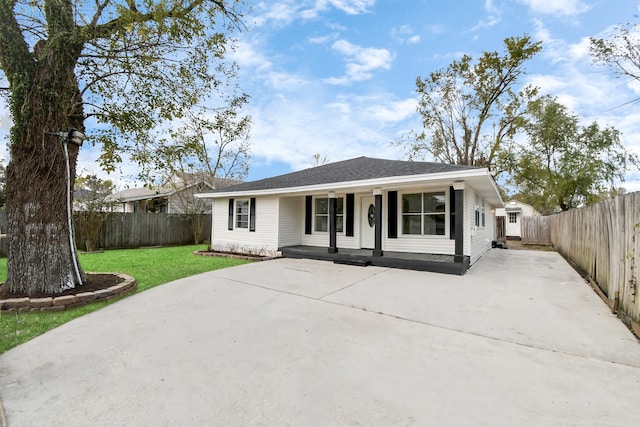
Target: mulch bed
<point>94,282</point>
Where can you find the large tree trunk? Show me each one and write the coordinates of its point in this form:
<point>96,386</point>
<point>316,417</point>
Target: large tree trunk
<point>41,256</point>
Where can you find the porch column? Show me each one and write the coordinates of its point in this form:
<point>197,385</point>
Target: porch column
<point>333,246</point>
<point>377,251</point>
<point>458,188</point>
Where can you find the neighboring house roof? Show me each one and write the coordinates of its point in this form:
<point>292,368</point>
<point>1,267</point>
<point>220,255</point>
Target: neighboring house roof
<point>134,194</point>
<point>358,172</point>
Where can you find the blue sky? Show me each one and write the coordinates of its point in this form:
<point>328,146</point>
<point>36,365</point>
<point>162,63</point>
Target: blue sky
<point>337,77</point>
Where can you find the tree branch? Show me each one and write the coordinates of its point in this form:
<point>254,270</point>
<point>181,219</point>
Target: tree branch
<point>15,59</point>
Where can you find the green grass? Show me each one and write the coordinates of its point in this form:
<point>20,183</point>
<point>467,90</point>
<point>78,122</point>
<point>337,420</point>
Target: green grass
<point>150,267</point>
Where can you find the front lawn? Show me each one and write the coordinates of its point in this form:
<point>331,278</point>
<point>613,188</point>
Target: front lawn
<point>150,267</point>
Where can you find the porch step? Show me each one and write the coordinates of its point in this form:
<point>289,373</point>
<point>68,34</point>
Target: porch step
<point>361,262</point>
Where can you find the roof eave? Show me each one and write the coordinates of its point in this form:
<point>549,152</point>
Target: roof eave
<point>382,183</point>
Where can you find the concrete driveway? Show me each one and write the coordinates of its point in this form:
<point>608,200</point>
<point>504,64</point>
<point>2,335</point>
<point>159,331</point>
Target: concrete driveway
<point>520,340</point>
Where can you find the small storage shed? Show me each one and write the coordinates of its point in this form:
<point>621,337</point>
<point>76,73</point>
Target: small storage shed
<point>512,213</point>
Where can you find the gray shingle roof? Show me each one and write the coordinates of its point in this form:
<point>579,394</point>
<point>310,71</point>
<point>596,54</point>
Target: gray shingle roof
<point>358,169</point>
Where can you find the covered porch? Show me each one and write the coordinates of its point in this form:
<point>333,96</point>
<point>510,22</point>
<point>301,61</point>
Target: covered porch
<point>363,257</point>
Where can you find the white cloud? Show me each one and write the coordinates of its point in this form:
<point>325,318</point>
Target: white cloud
<point>285,81</point>
<point>547,83</point>
<point>492,19</point>
<point>277,13</point>
<point>436,29</point>
<point>290,129</point>
<point>488,22</point>
<point>557,7</point>
<point>255,64</point>
<point>340,107</point>
<point>5,118</point>
<point>361,61</point>
<point>323,39</point>
<point>395,111</point>
<point>405,34</point>
<point>350,7</point>
<point>491,7</point>
<point>558,50</point>
<point>248,56</point>
<point>282,13</point>
<point>580,50</point>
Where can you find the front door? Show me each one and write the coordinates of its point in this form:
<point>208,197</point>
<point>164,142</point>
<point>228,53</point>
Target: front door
<point>368,223</point>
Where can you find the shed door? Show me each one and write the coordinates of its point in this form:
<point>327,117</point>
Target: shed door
<point>367,223</point>
<point>513,224</point>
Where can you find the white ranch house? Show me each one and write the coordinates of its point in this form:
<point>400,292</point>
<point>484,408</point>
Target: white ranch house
<point>419,215</point>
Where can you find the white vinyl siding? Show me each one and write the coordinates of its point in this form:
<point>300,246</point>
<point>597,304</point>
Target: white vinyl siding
<point>291,221</point>
<point>480,236</point>
<point>263,241</point>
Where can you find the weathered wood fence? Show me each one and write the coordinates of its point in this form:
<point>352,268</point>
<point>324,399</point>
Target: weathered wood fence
<point>133,230</point>
<point>602,240</point>
<point>535,230</point>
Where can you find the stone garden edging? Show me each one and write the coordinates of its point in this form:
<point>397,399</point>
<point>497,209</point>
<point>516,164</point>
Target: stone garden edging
<point>236,256</point>
<point>61,303</point>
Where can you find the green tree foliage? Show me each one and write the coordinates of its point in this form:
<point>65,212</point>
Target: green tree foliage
<point>213,144</point>
<point>208,150</point>
<point>565,165</point>
<point>92,207</point>
<point>471,109</point>
<point>92,193</point>
<point>130,65</point>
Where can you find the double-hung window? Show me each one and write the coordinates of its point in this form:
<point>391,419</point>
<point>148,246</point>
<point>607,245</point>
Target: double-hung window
<point>242,213</point>
<point>322,214</point>
<point>424,213</point>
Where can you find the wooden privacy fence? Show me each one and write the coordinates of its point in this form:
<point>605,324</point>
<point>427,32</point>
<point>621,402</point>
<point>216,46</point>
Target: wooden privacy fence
<point>535,230</point>
<point>603,240</point>
<point>133,230</point>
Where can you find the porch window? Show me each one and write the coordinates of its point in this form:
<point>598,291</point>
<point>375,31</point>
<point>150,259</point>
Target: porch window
<point>242,214</point>
<point>322,214</point>
<point>424,213</point>
<point>513,218</point>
